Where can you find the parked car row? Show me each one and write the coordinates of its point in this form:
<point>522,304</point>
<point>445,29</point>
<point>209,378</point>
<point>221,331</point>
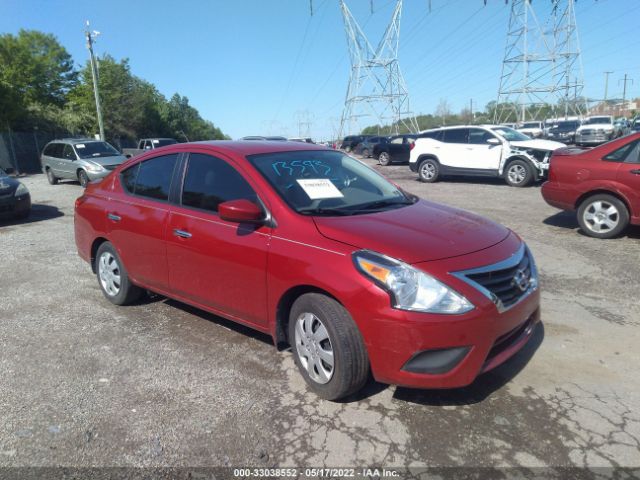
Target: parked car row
<point>589,131</point>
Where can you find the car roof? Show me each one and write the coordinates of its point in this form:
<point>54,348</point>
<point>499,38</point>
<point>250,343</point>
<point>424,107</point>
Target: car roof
<point>249,147</point>
<point>74,140</point>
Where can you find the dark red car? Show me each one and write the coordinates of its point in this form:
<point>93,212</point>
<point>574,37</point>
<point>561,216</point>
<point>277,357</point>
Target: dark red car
<point>319,251</point>
<point>602,184</point>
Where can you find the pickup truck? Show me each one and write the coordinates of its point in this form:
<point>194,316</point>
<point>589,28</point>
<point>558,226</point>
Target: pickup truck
<point>147,144</point>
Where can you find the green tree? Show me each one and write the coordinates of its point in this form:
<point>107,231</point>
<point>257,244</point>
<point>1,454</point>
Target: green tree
<point>35,69</point>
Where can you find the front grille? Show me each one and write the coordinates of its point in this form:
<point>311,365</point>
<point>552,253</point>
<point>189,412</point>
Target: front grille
<point>506,282</point>
<point>587,132</point>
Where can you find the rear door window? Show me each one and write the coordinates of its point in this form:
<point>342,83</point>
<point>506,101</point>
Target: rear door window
<point>456,135</point>
<point>151,178</point>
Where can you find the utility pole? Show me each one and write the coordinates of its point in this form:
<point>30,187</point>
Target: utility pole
<point>624,88</point>
<point>471,110</point>
<point>606,85</point>
<point>94,75</point>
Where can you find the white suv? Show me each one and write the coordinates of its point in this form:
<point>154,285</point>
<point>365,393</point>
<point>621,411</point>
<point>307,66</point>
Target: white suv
<point>487,150</point>
<point>532,129</point>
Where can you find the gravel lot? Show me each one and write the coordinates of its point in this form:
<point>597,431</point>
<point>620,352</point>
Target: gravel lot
<point>86,383</point>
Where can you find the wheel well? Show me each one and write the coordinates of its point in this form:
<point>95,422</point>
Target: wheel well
<point>94,250</point>
<point>79,170</point>
<point>284,307</point>
<point>584,196</point>
<point>427,156</point>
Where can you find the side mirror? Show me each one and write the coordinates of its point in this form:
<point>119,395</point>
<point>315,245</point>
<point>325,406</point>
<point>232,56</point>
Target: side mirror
<point>240,211</point>
<point>493,141</point>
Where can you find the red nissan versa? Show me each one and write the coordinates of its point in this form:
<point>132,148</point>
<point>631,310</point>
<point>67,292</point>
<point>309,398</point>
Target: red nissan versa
<point>602,184</point>
<point>319,251</point>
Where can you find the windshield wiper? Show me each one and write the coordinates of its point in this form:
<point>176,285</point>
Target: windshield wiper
<point>325,211</point>
<point>382,204</point>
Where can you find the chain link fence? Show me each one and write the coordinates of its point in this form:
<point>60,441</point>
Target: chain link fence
<point>20,151</point>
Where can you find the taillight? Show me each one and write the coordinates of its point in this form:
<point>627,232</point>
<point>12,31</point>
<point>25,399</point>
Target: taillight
<point>412,145</point>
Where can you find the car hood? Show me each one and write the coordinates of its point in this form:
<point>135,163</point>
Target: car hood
<point>115,160</point>
<point>538,144</point>
<point>7,185</point>
<point>424,231</point>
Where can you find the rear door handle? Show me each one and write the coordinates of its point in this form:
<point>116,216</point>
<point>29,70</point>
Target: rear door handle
<point>181,233</point>
<point>114,217</point>
<point>635,172</point>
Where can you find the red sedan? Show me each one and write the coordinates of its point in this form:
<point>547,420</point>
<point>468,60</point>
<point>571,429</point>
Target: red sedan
<point>319,251</point>
<point>602,184</point>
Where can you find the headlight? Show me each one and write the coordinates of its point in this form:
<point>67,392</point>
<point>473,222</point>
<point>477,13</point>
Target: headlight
<point>409,288</point>
<point>21,190</point>
<point>95,168</point>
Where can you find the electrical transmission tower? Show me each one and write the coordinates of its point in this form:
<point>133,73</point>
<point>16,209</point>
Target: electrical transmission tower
<point>569,76</point>
<point>541,68</point>
<point>376,86</point>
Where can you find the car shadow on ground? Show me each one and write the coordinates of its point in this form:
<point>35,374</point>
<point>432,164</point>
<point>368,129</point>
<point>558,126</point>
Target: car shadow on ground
<point>236,327</point>
<point>39,213</point>
<point>568,220</point>
<point>484,386</point>
<point>495,181</point>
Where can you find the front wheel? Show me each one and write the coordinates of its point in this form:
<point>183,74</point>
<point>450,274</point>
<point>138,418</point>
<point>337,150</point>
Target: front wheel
<point>327,347</point>
<point>113,278</point>
<point>347,149</point>
<point>384,159</point>
<point>603,216</point>
<point>429,171</point>
<point>53,180</point>
<point>83,178</point>
<point>519,173</point>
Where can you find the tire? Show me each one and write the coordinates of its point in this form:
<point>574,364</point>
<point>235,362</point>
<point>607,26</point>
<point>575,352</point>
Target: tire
<point>340,342</point>
<point>347,149</point>
<point>117,288</point>
<point>53,180</point>
<point>428,170</point>
<point>83,178</point>
<point>603,216</point>
<point>366,153</point>
<point>518,173</point>
<point>384,159</point>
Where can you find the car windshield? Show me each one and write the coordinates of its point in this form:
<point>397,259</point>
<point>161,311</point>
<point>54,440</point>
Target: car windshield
<point>530,125</point>
<point>510,134</point>
<point>595,120</point>
<point>328,183</point>
<point>163,142</point>
<point>567,126</point>
<point>95,149</point>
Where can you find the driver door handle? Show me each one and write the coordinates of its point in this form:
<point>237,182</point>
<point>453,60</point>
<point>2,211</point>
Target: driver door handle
<point>181,233</point>
<point>113,217</point>
<point>635,172</point>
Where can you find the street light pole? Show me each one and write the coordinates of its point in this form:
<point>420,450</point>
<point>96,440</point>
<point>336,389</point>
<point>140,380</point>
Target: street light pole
<point>94,75</point>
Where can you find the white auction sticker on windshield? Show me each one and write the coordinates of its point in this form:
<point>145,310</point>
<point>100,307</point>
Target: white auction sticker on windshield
<point>79,145</point>
<point>319,188</point>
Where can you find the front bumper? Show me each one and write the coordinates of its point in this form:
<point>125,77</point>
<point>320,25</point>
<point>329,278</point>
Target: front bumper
<point>12,206</point>
<point>97,175</point>
<point>459,347</point>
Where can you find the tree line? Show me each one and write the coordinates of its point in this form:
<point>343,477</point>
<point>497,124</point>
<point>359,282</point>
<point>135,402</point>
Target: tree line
<point>41,88</point>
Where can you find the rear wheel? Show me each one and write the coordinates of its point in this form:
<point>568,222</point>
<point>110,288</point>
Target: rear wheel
<point>429,170</point>
<point>347,149</point>
<point>113,278</point>
<point>384,159</point>
<point>327,347</point>
<point>366,153</point>
<point>519,173</point>
<point>83,178</point>
<point>53,180</point>
<point>603,216</point>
